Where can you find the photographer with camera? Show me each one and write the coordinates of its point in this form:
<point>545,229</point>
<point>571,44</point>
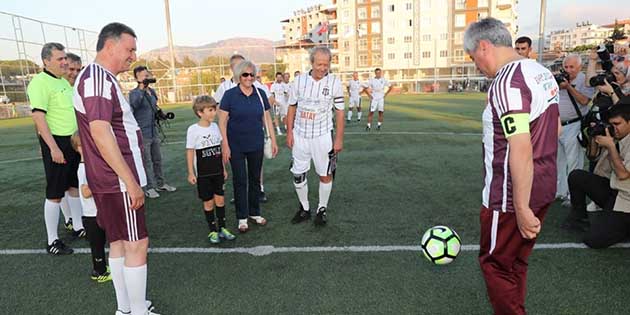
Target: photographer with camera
<point>608,187</point>
<point>612,83</point>
<point>143,101</point>
<point>574,98</point>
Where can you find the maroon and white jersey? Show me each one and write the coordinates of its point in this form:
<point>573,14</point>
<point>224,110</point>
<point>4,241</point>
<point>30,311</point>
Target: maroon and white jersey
<point>97,96</point>
<point>527,88</point>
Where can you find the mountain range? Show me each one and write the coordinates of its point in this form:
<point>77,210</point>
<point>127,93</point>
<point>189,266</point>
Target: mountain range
<point>256,49</point>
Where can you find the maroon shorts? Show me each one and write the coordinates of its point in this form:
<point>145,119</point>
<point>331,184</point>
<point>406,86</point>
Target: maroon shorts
<point>503,257</point>
<point>115,216</point>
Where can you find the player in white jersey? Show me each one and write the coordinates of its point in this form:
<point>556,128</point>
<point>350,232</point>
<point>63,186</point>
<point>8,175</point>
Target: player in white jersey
<point>315,98</point>
<point>228,84</point>
<point>279,90</point>
<point>376,92</point>
<point>355,88</point>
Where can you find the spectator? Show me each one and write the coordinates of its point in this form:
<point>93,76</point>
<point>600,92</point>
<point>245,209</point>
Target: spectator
<point>523,46</point>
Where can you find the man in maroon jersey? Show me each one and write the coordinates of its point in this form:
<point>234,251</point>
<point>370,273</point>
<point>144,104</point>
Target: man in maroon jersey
<point>112,146</point>
<point>520,142</point>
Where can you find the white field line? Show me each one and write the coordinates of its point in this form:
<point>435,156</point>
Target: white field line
<point>268,249</point>
<point>422,133</point>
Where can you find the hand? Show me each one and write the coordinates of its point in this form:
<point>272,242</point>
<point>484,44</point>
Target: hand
<point>226,153</point>
<point>274,148</point>
<point>606,88</point>
<point>57,156</point>
<point>605,141</point>
<point>136,194</point>
<point>192,179</point>
<point>564,85</point>
<point>290,140</point>
<point>338,146</point>
<point>528,223</point>
<point>225,175</point>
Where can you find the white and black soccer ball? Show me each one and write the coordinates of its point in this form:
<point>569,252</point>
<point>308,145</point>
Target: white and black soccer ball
<point>440,244</point>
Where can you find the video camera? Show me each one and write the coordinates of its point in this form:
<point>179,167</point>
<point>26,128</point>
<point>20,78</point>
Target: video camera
<point>603,52</point>
<point>148,81</point>
<point>160,115</point>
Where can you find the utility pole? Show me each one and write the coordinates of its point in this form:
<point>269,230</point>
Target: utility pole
<point>541,29</point>
<point>170,47</point>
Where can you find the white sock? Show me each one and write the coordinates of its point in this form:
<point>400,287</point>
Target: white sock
<point>349,114</point>
<point>65,208</point>
<point>116,266</point>
<point>77,212</point>
<point>369,125</point>
<point>51,217</point>
<point>379,123</point>
<point>262,188</point>
<point>359,115</point>
<point>136,282</point>
<point>324,194</point>
<point>302,192</point>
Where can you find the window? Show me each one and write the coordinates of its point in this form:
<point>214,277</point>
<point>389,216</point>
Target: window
<point>482,15</point>
<point>459,54</point>
<point>376,12</point>
<point>482,3</point>
<point>407,55</point>
<point>408,6</point>
<point>460,20</point>
<point>363,44</point>
<point>460,4</point>
<point>407,39</point>
<point>426,21</point>
<point>346,61</point>
<point>346,13</point>
<point>363,60</point>
<point>391,56</point>
<point>346,44</point>
<point>376,44</point>
<point>376,58</point>
<point>391,40</point>
<point>426,54</point>
<point>426,4</point>
<point>391,8</point>
<point>410,22</point>
<point>443,53</point>
<point>376,27</point>
<point>362,13</point>
<point>444,36</point>
<point>426,37</point>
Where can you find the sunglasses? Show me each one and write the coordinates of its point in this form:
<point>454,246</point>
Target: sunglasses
<point>247,74</point>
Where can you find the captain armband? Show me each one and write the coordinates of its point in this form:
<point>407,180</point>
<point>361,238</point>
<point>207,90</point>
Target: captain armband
<point>514,124</point>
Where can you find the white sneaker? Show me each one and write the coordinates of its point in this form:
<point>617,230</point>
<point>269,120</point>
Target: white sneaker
<point>151,193</point>
<point>150,309</point>
<point>167,187</point>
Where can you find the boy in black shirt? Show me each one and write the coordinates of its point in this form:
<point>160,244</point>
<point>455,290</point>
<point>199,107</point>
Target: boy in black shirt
<point>203,144</point>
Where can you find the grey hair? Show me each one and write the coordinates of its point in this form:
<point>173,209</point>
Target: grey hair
<point>240,69</point>
<point>73,58</point>
<point>489,29</point>
<point>320,49</point>
<point>49,47</point>
<point>572,56</point>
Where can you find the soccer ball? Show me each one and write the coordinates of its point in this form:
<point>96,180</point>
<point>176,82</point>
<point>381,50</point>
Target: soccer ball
<point>440,244</point>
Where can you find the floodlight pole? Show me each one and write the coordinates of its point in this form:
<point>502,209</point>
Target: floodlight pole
<point>541,30</point>
<point>170,47</point>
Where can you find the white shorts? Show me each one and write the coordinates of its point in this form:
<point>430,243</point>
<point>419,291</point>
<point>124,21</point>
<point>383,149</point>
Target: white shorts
<point>377,104</point>
<point>354,101</point>
<point>316,149</point>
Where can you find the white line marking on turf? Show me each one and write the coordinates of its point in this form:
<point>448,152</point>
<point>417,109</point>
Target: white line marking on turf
<point>268,249</point>
<point>422,133</point>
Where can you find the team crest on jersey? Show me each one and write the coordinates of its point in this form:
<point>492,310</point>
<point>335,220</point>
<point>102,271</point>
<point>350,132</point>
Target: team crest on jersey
<point>325,91</point>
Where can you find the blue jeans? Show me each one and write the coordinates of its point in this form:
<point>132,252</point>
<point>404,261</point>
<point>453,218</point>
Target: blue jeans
<point>246,168</point>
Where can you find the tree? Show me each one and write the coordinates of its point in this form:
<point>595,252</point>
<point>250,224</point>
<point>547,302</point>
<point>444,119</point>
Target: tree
<point>617,33</point>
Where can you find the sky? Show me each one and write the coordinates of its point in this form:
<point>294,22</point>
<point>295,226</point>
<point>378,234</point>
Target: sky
<point>197,22</point>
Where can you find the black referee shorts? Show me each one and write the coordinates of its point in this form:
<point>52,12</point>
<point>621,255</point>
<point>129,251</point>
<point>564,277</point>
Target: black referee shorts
<point>208,186</point>
<point>60,177</point>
